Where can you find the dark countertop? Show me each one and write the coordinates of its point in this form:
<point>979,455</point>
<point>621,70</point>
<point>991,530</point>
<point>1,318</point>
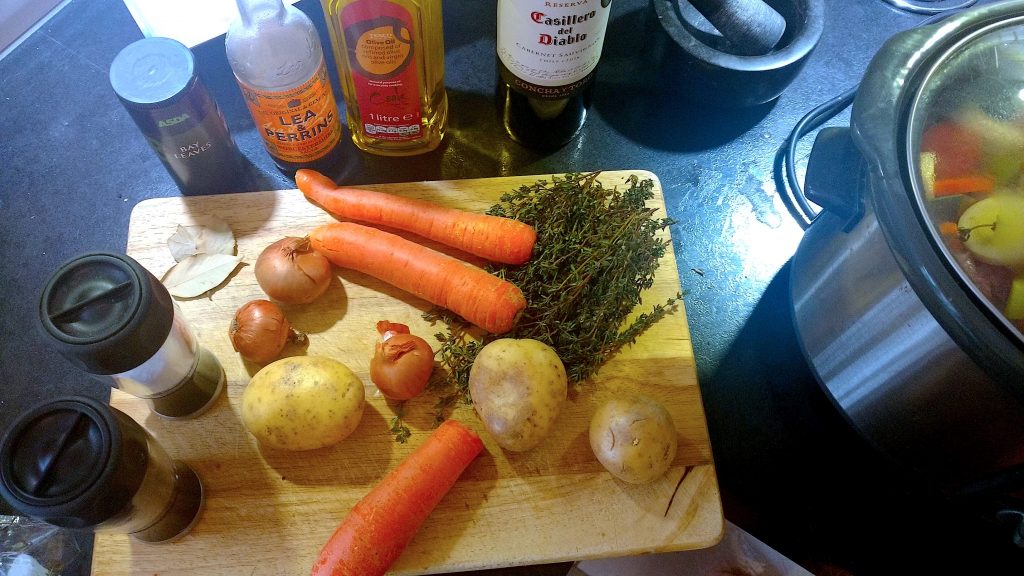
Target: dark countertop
<point>73,165</point>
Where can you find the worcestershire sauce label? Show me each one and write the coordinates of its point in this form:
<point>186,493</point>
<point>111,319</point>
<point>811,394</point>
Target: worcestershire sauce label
<point>381,53</point>
<point>550,49</point>
<point>298,125</point>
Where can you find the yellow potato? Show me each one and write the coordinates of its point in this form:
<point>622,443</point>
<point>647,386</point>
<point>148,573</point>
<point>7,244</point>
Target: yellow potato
<point>995,230</point>
<point>518,387</point>
<point>302,403</point>
<point>634,438</point>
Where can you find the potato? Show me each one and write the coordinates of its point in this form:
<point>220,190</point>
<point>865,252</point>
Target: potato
<point>518,387</point>
<point>633,438</point>
<point>1001,245</point>
<point>302,403</point>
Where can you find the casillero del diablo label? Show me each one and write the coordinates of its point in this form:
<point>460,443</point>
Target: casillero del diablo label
<point>550,48</point>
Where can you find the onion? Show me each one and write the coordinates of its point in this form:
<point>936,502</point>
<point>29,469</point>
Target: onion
<point>290,271</point>
<point>260,330</point>
<point>402,363</point>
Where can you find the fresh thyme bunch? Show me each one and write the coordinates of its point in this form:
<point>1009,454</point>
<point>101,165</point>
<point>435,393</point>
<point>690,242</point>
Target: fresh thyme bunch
<point>597,249</point>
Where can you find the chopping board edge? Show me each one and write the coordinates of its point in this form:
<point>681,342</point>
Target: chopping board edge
<point>707,523</point>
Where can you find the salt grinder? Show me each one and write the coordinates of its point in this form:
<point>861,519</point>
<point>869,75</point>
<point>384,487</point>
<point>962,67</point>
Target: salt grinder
<point>111,317</point>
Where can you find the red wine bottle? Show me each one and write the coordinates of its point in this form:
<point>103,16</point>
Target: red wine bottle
<point>547,58</point>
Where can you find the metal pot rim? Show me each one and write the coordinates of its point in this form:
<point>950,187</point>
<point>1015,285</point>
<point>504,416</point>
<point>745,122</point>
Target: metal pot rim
<point>882,111</point>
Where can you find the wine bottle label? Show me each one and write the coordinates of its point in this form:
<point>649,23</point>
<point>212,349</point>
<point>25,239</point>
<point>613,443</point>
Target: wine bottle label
<point>382,60</point>
<point>298,125</point>
<point>550,49</point>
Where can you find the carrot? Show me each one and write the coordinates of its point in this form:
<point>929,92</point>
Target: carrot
<point>380,526</point>
<point>494,238</point>
<point>962,185</point>
<point>957,149</point>
<point>491,303</point>
<point>949,229</point>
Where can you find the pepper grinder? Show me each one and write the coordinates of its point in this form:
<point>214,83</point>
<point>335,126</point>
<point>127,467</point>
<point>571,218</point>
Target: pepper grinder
<point>78,463</point>
<point>111,317</point>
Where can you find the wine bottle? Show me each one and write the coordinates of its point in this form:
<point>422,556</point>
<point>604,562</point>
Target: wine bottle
<point>547,59</point>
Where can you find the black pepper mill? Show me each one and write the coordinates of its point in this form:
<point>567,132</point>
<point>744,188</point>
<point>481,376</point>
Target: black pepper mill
<point>78,463</point>
<point>109,316</point>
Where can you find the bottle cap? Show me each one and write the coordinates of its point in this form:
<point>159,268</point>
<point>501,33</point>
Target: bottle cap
<point>151,72</point>
<point>105,313</point>
<point>73,462</point>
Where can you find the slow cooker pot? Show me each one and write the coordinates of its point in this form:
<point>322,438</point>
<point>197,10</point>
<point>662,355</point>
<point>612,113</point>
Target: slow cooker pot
<point>907,286</point>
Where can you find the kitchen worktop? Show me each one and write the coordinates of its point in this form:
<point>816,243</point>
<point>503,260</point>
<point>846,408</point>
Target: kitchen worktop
<point>73,166</point>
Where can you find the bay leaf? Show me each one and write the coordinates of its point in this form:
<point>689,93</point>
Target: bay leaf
<point>199,273</point>
<point>210,235</point>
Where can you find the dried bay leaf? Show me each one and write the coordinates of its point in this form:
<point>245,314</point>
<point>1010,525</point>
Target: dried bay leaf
<point>199,273</point>
<point>210,236</point>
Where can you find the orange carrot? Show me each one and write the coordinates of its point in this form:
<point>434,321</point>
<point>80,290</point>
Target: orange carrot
<point>957,149</point>
<point>494,238</point>
<point>489,302</point>
<point>376,531</point>
<point>962,185</point>
<point>949,229</point>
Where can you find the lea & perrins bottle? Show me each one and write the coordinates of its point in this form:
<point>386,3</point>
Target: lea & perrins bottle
<point>275,53</point>
<point>390,57</point>
<point>547,56</point>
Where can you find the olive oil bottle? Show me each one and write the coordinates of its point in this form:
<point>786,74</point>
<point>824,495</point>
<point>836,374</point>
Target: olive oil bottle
<point>390,58</point>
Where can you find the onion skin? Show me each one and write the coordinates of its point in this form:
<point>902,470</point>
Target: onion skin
<point>402,362</point>
<point>291,272</point>
<point>259,331</point>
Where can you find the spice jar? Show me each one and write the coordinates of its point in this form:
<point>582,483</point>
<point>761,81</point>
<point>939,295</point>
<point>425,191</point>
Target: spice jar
<point>78,463</point>
<point>111,317</point>
<point>156,81</point>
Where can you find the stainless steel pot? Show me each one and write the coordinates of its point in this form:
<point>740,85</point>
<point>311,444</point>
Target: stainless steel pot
<point>913,350</point>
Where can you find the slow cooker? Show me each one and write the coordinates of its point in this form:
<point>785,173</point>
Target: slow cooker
<point>908,286</point>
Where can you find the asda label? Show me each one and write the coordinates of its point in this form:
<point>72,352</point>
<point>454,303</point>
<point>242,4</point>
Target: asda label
<point>551,44</point>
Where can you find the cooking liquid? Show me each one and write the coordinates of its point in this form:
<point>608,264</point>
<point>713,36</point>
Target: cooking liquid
<point>390,56</point>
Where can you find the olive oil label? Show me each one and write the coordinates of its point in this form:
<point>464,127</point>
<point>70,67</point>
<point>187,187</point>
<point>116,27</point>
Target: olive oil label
<point>550,49</point>
<point>382,53</point>
<point>298,125</point>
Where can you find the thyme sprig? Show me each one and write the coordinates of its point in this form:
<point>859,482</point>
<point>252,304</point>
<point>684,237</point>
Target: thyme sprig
<point>597,250</point>
<point>398,428</point>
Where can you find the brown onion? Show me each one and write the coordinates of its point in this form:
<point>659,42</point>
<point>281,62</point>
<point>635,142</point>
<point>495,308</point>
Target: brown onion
<point>260,330</point>
<point>290,271</point>
<point>402,363</point>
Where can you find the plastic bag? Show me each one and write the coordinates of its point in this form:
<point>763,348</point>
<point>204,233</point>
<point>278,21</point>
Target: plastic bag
<point>32,548</point>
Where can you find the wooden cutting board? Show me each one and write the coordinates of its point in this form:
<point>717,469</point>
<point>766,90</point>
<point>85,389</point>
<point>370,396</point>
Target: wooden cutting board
<point>269,512</point>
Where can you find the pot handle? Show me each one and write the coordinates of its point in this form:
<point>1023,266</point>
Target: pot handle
<point>834,175</point>
<point>1016,518</point>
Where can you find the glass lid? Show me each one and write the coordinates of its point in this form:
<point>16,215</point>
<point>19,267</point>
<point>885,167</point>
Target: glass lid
<point>966,146</point>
